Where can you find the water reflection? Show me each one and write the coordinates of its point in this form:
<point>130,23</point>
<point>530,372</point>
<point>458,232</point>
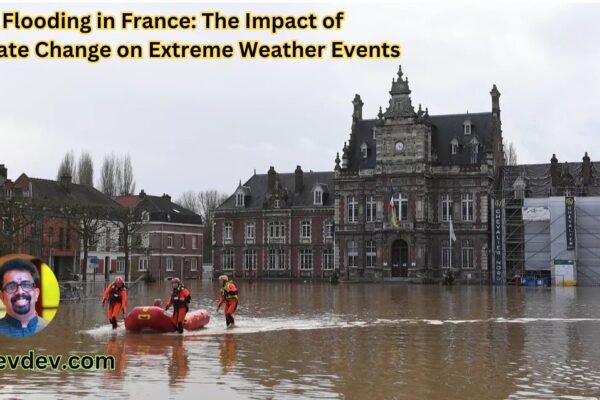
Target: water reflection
<point>228,353</point>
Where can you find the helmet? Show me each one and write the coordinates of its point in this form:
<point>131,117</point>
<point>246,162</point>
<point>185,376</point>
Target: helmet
<point>223,278</point>
<point>119,281</point>
<point>175,281</point>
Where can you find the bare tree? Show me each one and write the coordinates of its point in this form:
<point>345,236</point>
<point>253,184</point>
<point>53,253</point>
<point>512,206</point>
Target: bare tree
<point>129,222</point>
<point>16,219</point>
<point>85,169</point>
<point>127,182</point>
<point>107,176</point>
<point>67,166</point>
<point>510,155</point>
<point>190,200</point>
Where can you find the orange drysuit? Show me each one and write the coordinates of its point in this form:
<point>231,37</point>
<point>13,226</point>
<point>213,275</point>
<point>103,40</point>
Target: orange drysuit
<point>117,301</point>
<point>180,298</point>
<point>229,297</point>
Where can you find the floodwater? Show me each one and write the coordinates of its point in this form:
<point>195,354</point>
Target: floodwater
<point>350,341</point>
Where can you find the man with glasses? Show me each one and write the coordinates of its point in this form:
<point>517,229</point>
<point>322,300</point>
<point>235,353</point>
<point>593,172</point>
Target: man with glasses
<point>20,291</point>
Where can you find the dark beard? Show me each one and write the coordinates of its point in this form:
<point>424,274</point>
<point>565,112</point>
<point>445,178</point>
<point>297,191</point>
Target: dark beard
<point>21,310</point>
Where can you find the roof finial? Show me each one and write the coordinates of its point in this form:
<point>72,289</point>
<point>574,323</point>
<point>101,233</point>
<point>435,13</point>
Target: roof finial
<point>380,114</point>
<point>400,72</point>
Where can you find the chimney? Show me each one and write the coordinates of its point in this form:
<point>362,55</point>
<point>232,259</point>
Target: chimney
<point>586,170</point>
<point>166,197</point>
<point>142,194</point>
<point>298,179</point>
<point>554,170</point>
<point>3,172</point>
<point>65,182</point>
<point>271,175</point>
<point>357,112</point>
<point>495,102</point>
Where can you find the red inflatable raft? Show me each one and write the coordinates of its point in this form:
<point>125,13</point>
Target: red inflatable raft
<point>148,319</point>
<point>195,319</point>
<point>154,319</point>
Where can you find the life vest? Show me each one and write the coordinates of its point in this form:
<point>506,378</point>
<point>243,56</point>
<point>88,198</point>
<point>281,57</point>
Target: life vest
<point>115,294</point>
<point>177,299</point>
<point>227,294</point>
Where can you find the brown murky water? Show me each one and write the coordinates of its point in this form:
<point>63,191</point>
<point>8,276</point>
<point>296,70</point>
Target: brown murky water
<point>298,341</point>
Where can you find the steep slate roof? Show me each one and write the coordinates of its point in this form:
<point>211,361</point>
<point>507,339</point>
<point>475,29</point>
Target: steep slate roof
<point>161,209</point>
<point>49,190</point>
<point>538,182</point>
<point>444,129</point>
<point>258,188</point>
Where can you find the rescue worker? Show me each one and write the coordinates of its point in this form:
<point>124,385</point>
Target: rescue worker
<point>117,300</point>
<point>229,297</point>
<point>180,298</point>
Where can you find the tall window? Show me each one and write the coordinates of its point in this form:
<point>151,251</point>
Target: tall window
<point>352,209</point>
<point>194,242</point>
<point>170,241</point>
<point>467,254</point>
<point>227,259</point>
<point>371,209</point>
<point>61,238</point>
<point>467,206</point>
<point>239,200</point>
<point>193,264</point>
<point>454,146</point>
<point>169,264</point>
<point>276,204</point>
<point>352,254</point>
<point>318,199</point>
<point>227,231</point>
<point>401,205</point>
<point>328,259</point>
<point>182,241</point>
<point>250,230</point>
<point>305,230</point>
<point>120,265</point>
<point>276,230</point>
<point>276,259</point>
<point>446,207</point>
<point>445,254</point>
<point>329,229</point>
<point>250,259</point>
<point>371,253</point>
<point>142,265</point>
<point>306,259</point>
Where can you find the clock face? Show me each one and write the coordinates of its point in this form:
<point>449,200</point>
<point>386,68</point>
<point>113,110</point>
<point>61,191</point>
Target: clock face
<point>399,147</point>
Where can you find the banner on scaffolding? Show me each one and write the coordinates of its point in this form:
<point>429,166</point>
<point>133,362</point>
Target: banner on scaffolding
<point>536,214</point>
<point>570,221</point>
<point>498,241</point>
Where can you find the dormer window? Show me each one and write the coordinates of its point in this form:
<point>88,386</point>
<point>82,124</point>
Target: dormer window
<point>467,127</point>
<point>276,204</point>
<point>363,150</point>
<point>454,146</point>
<point>239,200</point>
<point>318,197</point>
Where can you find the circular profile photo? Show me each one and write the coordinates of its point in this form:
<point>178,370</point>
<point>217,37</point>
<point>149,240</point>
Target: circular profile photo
<point>30,295</point>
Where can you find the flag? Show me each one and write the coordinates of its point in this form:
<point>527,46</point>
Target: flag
<point>392,212</point>
<point>452,236</point>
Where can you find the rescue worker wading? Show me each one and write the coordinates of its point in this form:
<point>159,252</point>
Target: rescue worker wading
<point>229,296</point>
<point>117,300</point>
<point>180,298</point>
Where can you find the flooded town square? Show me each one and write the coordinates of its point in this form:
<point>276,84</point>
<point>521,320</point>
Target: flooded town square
<point>297,340</point>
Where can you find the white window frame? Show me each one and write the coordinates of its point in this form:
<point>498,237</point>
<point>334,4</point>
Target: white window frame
<point>193,264</point>
<point>227,231</point>
<point>250,231</point>
<point>467,130</point>
<point>120,266</point>
<point>169,241</point>
<point>318,197</point>
<point>228,260</point>
<point>447,205</point>
<point>371,209</point>
<point>143,264</point>
<point>276,230</point>
<point>352,250</point>
<point>276,204</point>
<point>364,150</point>
<point>401,206</point>
<point>239,199</point>
<point>183,241</point>
<point>328,227</point>
<point>467,206</point>
<point>445,254</point>
<point>250,259</point>
<point>370,253</point>
<point>467,254</point>
<point>305,262</point>
<point>276,259</point>
<point>352,210</point>
<point>194,242</point>
<point>328,259</point>
<point>305,230</point>
<point>170,264</point>
<point>454,146</point>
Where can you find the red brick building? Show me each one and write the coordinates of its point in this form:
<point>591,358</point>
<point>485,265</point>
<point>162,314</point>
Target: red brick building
<point>169,241</point>
<point>277,226</point>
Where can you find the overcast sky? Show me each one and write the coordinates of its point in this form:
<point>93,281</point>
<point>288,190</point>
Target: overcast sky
<point>207,124</point>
